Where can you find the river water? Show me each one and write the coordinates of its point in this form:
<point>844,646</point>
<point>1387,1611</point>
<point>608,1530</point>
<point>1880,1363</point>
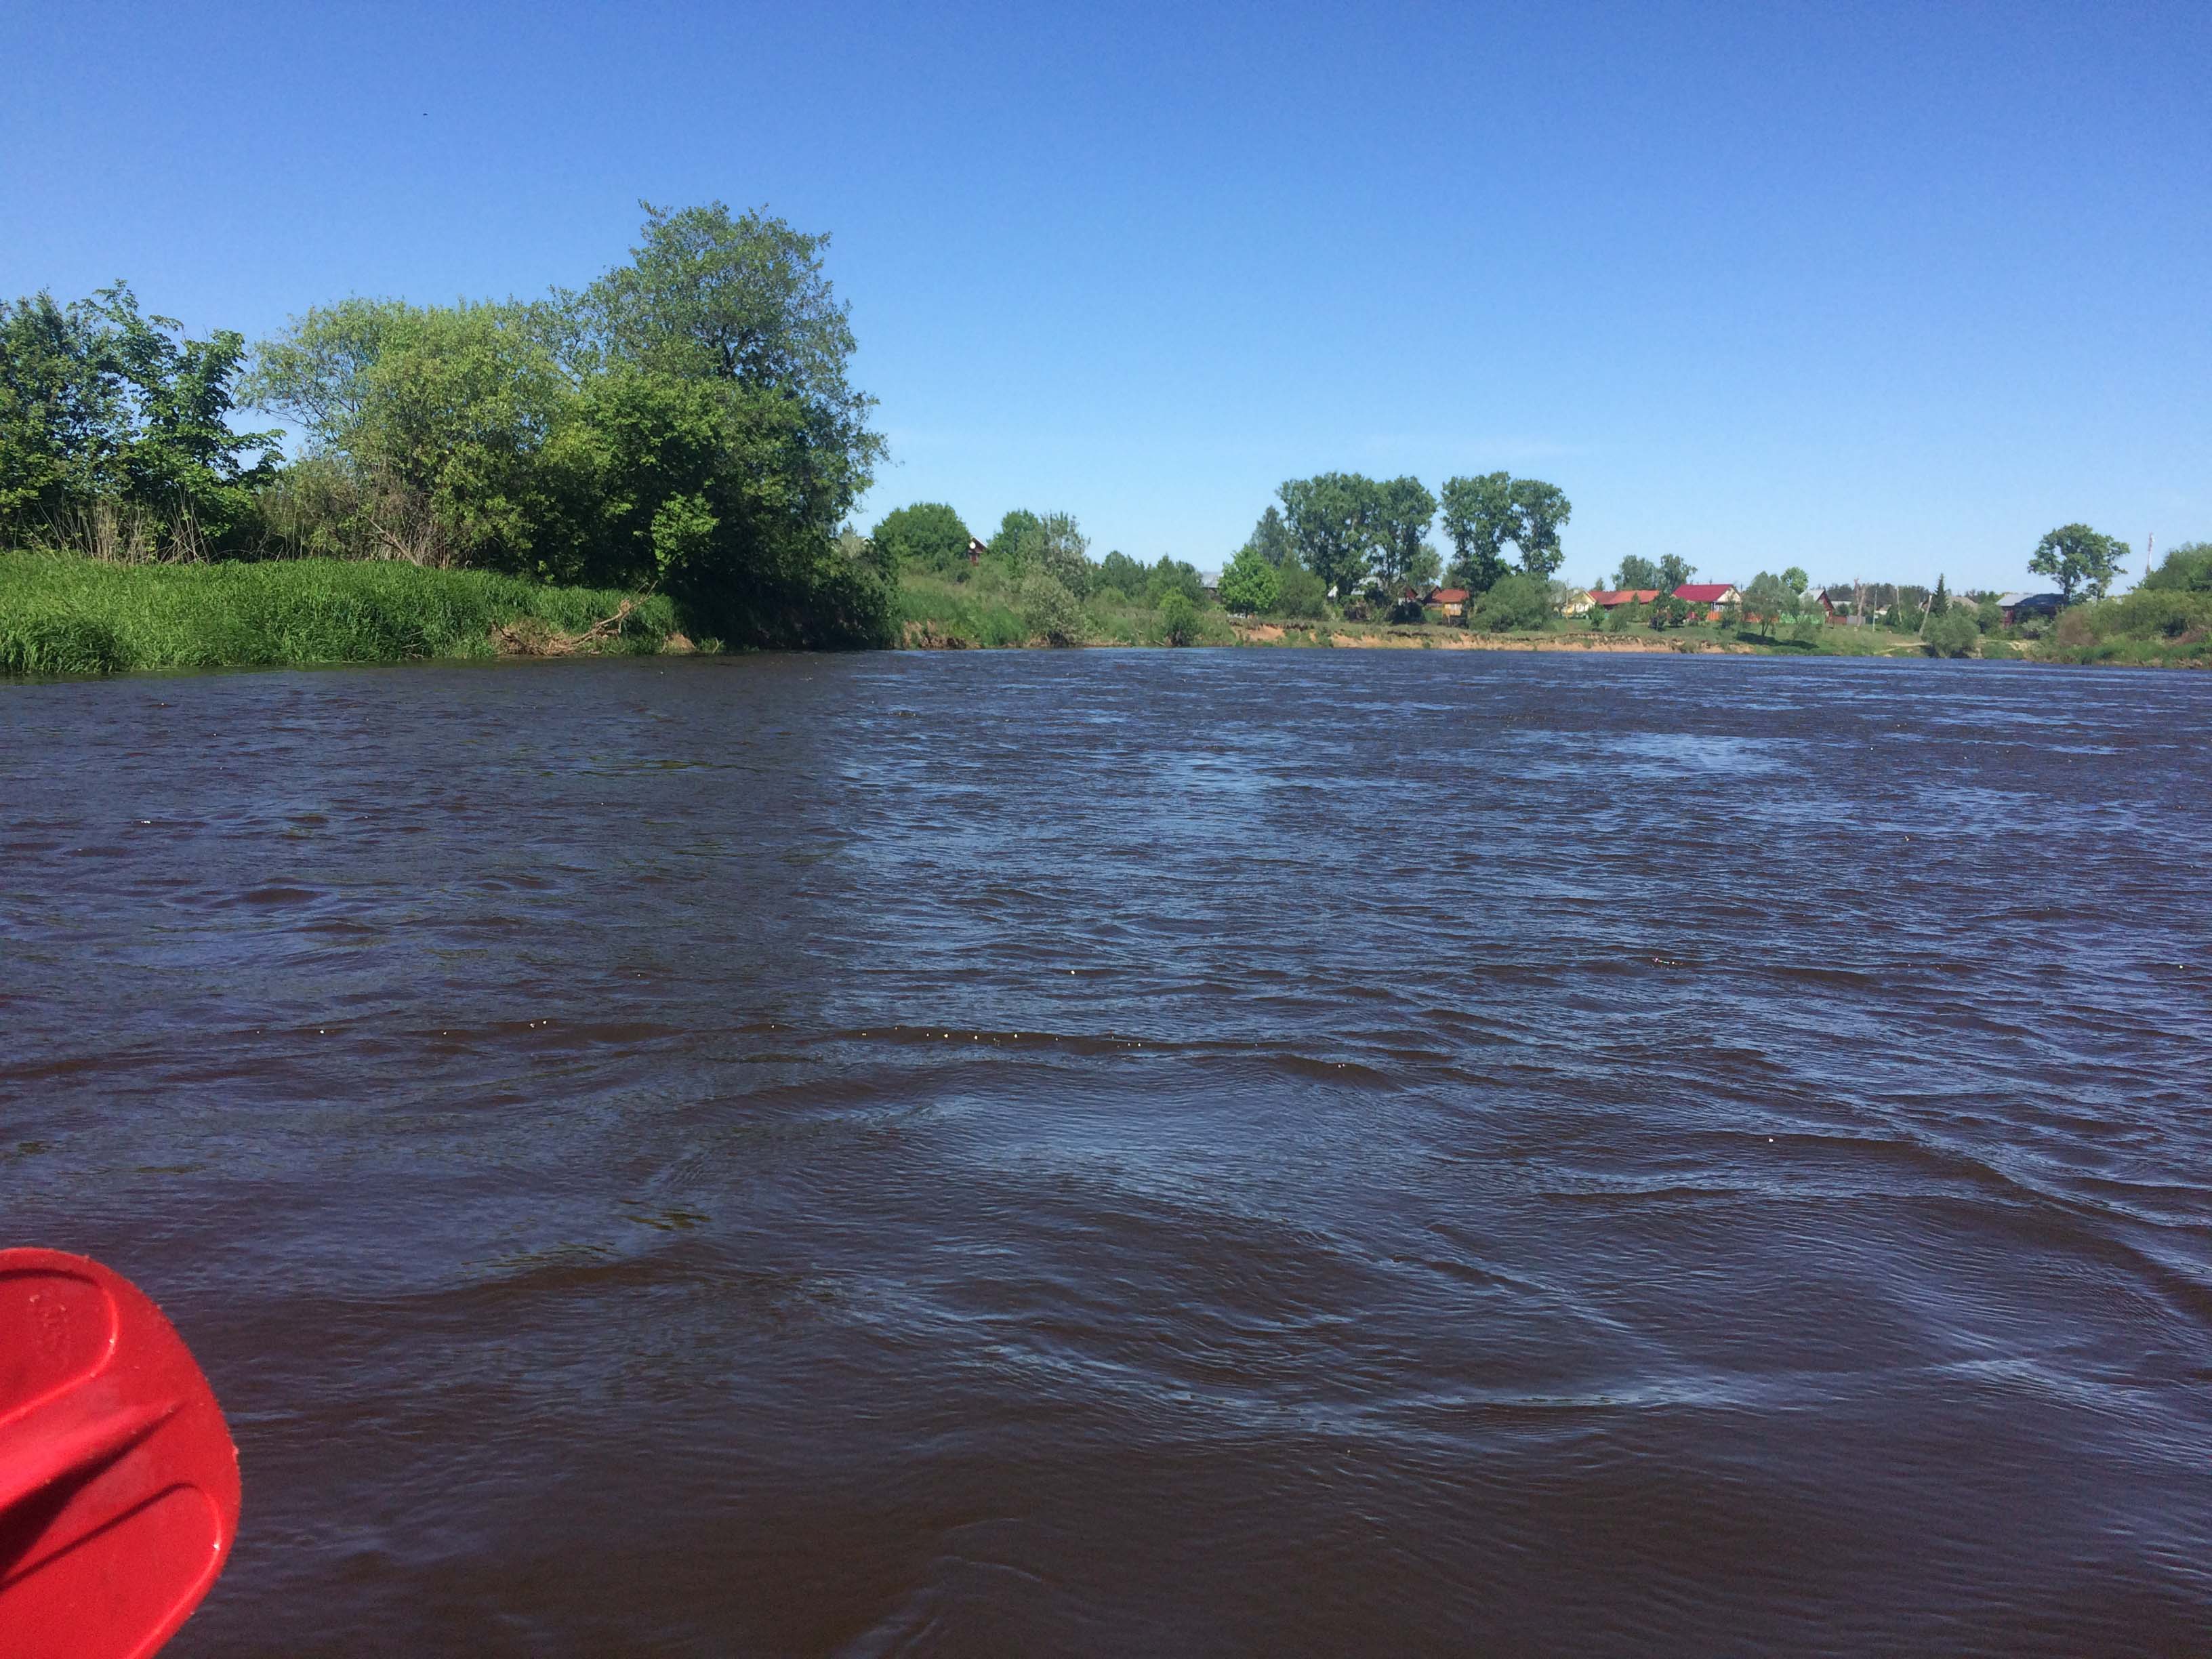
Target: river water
<point>1266,1152</point>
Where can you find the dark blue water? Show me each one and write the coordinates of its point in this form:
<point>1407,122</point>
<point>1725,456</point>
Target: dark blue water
<point>1156,1152</point>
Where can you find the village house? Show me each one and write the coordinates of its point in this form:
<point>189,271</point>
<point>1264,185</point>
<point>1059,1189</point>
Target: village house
<point>1452,601</point>
<point>2014,607</point>
<point>1708,597</point>
<point>1612,598</point>
<point>1838,605</point>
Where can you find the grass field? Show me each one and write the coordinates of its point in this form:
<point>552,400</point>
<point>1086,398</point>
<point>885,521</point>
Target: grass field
<point>61,614</point>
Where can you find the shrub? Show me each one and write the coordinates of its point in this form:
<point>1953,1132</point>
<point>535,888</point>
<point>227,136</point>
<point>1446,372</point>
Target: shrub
<point>2172,612</point>
<point>1050,611</point>
<point>1952,634</point>
<point>1299,593</point>
<point>1178,621</point>
<point>1997,650</point>
<point>2077,626</point>
<point>1514,602</point>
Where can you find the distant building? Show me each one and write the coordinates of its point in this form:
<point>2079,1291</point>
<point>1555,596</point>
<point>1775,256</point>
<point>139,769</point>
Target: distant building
<point>2018,607</point>
<point>1838,604</point>
<point>975,550</point>
<point>1708,596</point>
<point>1452,601</point>
<point>1612,598</point>
<point>1577,605</point>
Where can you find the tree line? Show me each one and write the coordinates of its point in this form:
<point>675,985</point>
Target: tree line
<point>684,424</point>
<point>1365,542</point>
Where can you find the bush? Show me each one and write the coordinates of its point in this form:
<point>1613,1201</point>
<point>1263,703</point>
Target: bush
<point>2168,612</point>
<point>1299,593</point>
<point>1996,650</point>
<point>1951,634</point>
<point>1050,611</point>
<point>1178,621</point>
<point>1514,602</point>
<point>2077,626</point>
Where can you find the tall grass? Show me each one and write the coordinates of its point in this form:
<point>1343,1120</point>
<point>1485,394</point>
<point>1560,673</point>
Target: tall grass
<point>62,614</point>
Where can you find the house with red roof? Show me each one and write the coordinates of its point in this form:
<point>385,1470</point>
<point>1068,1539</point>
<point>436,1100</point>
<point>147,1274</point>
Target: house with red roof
<point>1612,598</point>
<point>1708,597</point>
<point>1452,601</point>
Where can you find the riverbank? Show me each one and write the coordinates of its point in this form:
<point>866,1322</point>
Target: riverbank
<point>63,614</point>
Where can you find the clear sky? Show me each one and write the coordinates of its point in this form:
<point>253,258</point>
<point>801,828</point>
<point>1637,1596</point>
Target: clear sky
<point>1881,290</point>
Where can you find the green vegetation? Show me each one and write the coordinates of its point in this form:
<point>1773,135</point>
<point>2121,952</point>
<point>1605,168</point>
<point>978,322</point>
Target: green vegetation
<point>682,428</point>
<point>2074,556</point>
<point>927,536</point>
<point>677,446</point>
<point>2167,620</point>
<point>66,614</point>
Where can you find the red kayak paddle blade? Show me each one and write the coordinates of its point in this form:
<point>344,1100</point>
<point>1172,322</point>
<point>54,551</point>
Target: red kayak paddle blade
<point>119,1482</point>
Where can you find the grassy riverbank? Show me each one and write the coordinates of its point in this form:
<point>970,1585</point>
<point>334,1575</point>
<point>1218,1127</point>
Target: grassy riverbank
<point>61,614</point>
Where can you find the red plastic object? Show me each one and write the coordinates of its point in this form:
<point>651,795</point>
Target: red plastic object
<point>119,1482</point>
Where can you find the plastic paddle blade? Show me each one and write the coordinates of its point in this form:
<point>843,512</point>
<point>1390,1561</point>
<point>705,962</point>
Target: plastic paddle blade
<point>119,1482</point>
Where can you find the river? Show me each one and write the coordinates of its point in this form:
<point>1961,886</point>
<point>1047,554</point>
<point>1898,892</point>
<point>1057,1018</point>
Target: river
<point>1173,1152</point>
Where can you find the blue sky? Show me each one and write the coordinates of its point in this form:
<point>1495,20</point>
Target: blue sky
<point>1880,290</point>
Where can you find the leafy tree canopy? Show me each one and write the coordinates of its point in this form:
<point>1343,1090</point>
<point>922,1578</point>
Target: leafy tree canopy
<point>1674,571</point>
<point>1337,525</point>
<point>1251,582</point>
<point>1006,541</point>
<point>1174,576</point>
<point>1635,574</point>
<point>2186,569</point>
<point>1053,543</point>
<point>1404,510</point>
<point>1122,575</point>
<point>106,411</point>
<point>1539,510</point>
<point>1479,520</point>
<point>685,423</point>
<point>926,535</point>
<point>1271,539</point>
<point>2076,556</point>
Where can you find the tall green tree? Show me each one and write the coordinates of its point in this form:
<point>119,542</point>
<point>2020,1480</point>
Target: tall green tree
<point>1336,523</point>
<point>1939,602</point>
<point>1480,520</point>
<point>107,412</point>
<point>1271,539</point>
<point>1251,582</point>
<point>1122,574</point>
<point>686,422</point>
<point>1006,543</point>
<point>2076,556</point>
<point>1674,571</point>
<point>2186,569</point>
<point>1053,542</point>
<point>1539,510</point>
<point>926,536</point>
<point>1404,510</point>
<point>1767,599</point>
<point>1635,574</point>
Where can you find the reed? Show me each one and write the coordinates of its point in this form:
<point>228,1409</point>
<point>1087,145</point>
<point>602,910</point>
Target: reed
<point>63,614</point>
